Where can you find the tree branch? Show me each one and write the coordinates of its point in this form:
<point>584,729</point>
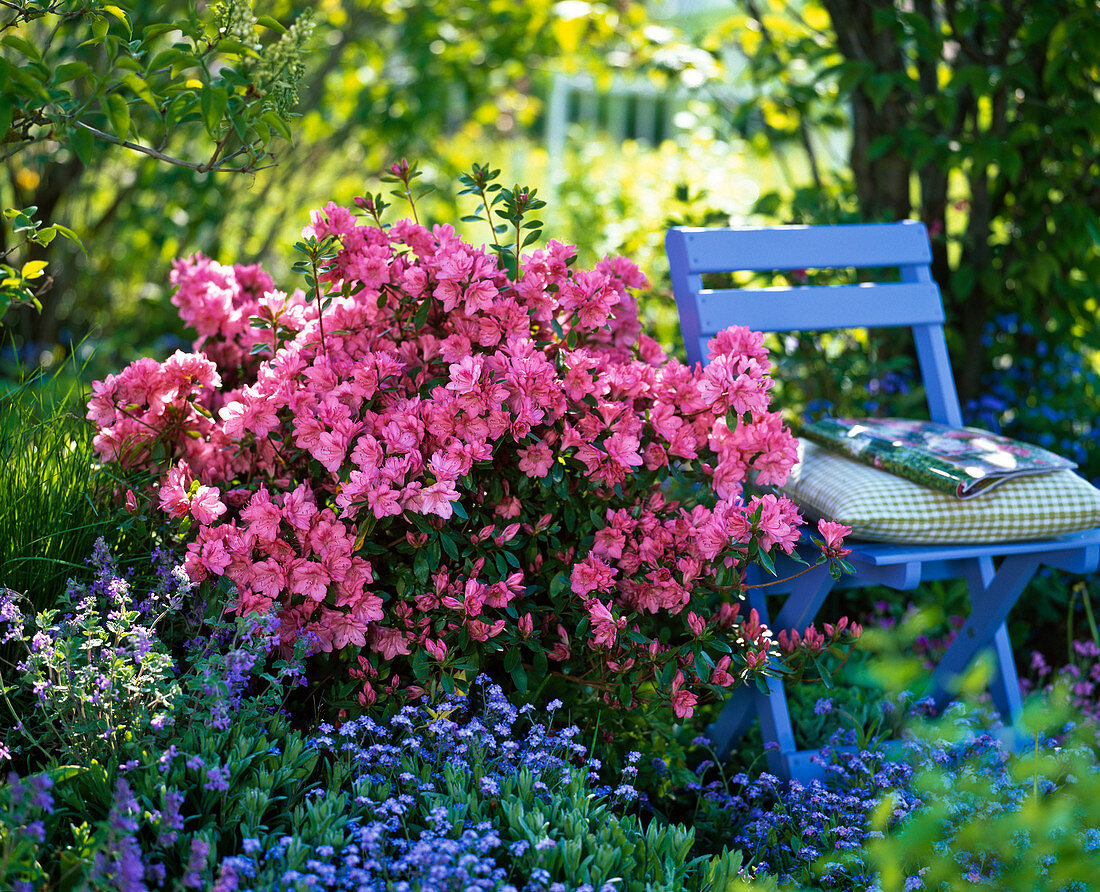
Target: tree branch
<point>201,167</point>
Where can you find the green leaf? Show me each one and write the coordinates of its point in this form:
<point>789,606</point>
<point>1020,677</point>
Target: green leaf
<point>271,23</point>
<point>877,88</point>
<point>449,546</point>
<point>766,561</point>
<point>121,15</point>
<point>150,32</point>
<point>118,112</point>
<point>7,112</point>
<point>213,101</point>
<point>459,510</point>
<point>519,678</point>
<point>83,144</point>
<point>880,146</point>
<point>276,123</point>
<point>141,89</point>
<point>45,236</point>
<point>228,45</point>
<point>70,235</point>
<point>68,71</point>
<point>20,45</point>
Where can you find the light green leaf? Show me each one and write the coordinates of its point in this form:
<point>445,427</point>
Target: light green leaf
<point>271,23</point>
<point>141,89</point>
<point>228,45</point>
<point>121,15</point>
<point>118,112</point>
<point>276,123</point>
<point>69,234</point>
<point>20,45</point>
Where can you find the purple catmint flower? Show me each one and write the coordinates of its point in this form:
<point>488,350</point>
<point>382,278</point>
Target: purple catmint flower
<point>171,820</point>
<point>217,779</point>
<point>228,880</point>
<point>196,863</point>
<point>123,808</point>
<point>41,798</point>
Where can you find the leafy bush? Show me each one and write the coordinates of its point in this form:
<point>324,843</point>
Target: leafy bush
<point>439,460</point>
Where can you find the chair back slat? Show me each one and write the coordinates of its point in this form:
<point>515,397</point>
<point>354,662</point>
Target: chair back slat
<point>913,302</point>
<point>808,247</point>
<point>820,307</point>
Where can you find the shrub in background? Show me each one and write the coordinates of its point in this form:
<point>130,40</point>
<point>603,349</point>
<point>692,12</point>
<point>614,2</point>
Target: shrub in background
<point>444,457</point>
<point>1038,390</point>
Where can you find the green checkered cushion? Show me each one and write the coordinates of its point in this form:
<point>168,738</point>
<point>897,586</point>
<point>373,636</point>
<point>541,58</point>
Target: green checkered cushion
<point>882,507</point>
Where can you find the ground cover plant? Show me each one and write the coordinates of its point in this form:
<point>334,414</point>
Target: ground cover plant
<point>201,781</point>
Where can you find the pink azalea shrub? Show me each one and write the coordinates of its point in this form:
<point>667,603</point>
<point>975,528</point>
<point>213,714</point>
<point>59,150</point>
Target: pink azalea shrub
<point>474,470</point>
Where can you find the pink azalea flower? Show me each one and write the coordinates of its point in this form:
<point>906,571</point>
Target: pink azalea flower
<point>262,515</point>
<point>833,534</point>
<point>591,574</point>
<point>206,506</point>
<point>174,498</point>
<point>389,643</point>
<point>310,580</point>
<point>683,704</point>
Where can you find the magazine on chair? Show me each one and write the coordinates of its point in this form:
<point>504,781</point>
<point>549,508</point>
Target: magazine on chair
<point>961,461</point>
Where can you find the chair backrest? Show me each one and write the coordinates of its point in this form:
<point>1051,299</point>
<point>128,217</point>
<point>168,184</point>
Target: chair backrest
<point>914,301</point>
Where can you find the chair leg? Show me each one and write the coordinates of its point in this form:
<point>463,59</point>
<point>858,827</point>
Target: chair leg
<point>746,703</point>
<point>1004,686</point>
<point>990,605</point>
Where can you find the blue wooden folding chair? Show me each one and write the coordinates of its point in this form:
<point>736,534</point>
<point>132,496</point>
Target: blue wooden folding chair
<point>995,574</point>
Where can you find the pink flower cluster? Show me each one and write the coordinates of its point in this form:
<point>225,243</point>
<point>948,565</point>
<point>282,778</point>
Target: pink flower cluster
<point>471,464</point>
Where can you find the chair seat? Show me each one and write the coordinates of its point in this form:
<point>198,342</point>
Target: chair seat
<point>906,566</point>
<point>881,506</point>
<point>1085,543</point>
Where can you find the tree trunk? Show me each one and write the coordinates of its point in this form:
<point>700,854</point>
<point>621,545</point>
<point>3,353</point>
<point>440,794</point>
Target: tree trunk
<point>883,182</point>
